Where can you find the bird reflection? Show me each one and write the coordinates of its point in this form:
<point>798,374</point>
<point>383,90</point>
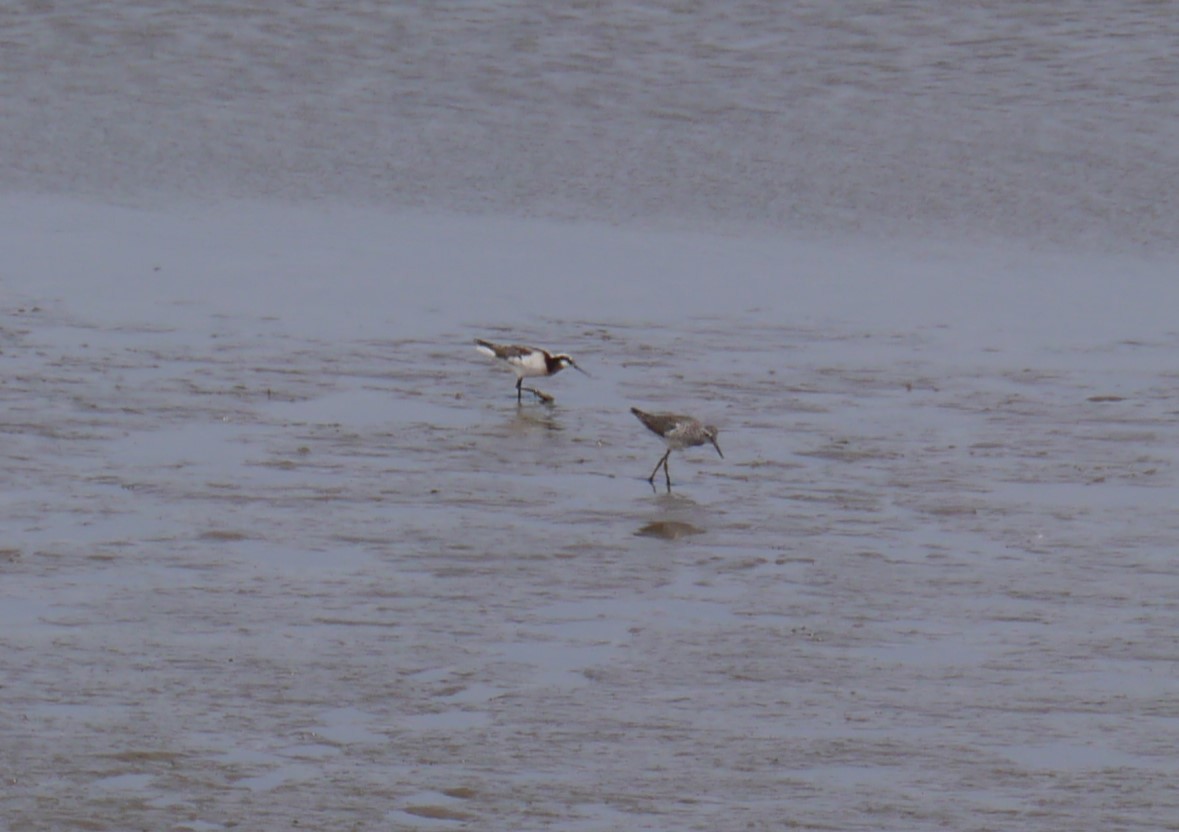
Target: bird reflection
<point>529,420</point>
<point>669,529</point>
<point>674,517</point>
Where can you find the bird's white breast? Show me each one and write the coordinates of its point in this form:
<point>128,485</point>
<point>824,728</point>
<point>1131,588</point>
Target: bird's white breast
<point>530,364</point>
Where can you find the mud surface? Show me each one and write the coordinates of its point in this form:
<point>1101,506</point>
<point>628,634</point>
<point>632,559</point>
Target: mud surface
<point>258,574</point>
<point>278,548</point>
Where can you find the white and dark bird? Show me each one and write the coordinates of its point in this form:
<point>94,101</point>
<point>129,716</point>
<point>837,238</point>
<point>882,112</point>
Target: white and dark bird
<point>678,432</point>
<point>528,362</point>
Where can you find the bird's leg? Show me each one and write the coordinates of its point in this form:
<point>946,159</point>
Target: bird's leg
<point>667,471</point>
<point>519,381</point>
<point>662,461</point>
<point>544,397</point>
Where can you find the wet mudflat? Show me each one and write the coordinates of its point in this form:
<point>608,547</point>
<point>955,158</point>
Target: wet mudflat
<point>278,548</point>
<point>263,568</point>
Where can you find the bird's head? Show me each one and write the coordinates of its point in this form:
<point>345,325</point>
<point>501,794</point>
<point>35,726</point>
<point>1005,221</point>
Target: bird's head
<point>562,360</point>
<point>711,432</point>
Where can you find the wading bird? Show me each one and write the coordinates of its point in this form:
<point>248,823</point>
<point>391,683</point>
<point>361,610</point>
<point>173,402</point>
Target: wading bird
<point>678,432</point>
<point>528,362</point>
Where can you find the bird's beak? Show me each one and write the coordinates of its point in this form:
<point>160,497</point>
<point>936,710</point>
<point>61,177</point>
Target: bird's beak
<point>718,450</point>
<point>583,372</point>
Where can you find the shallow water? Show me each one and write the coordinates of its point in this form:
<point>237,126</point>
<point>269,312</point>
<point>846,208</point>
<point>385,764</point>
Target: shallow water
<point>999,118</point>
<point>267,569</point>
<point>278,547</point>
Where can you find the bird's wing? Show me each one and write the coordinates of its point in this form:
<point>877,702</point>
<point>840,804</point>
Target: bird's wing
<point>504,351</point>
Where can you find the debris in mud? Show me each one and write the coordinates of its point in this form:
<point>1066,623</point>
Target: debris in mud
<point>436,813</point>
<point>225,535</point>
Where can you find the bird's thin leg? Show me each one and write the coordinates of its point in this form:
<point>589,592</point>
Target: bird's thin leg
<point>662,461</point>
<point>540,395</point>
<point>519,381</point>
<point>666,470</point>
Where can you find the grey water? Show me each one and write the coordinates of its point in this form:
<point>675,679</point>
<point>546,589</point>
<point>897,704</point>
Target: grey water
<point>1050,121</point>
<point>279,547</point>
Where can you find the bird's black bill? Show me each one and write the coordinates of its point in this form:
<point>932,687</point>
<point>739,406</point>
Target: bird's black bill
<point>718,450</point>
<point>583,372</point>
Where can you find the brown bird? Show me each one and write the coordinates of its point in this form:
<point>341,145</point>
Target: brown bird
<point>678,432</point>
